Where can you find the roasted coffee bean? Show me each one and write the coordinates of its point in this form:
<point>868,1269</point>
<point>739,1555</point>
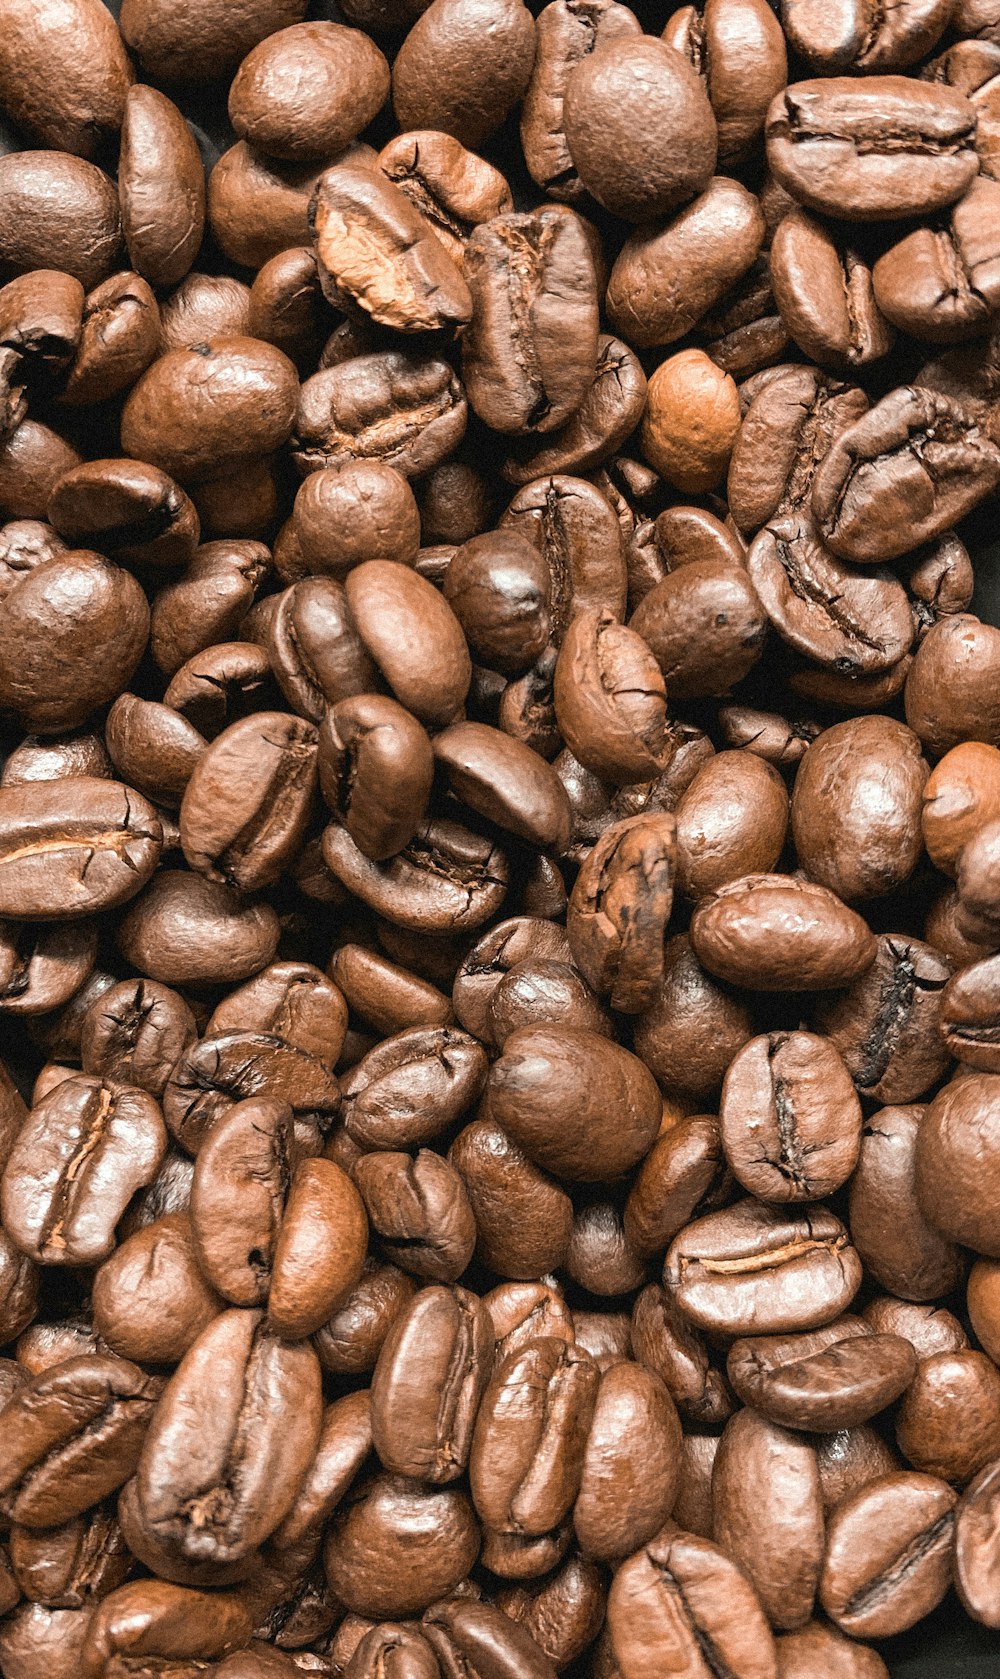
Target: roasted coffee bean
<point>413,1086</point>
<point>790,1121</point>
<point>161,182</point>
<point>430,1376</point>
<point>167,1627</point>
<point>573,526</point>
<point>565,35</point>
<point>831,1378</point>
<point>81,1155</point>
<point>546,1074</point>
<point>731,820</point>
<point>639,168</point>
<point>59,212</point>
<point>901,1249</point>
<point>768,1515</point>
<point>186,930</point>
<point>41,967</point>
<point>705,627</point>
<point>150,1299</point>
<point>754,1268</point>
<point>940,286</point>
<point>819,1648</point>
<point>929,1329</point>
<point>201,411</point>
<point>128,509</point>
<point>680,1597</point>
<point>691,421</point>
<point>888,1554</point>
<point>74,1434</point>
<point>885,147</point>
<point>530,1436</point>
<point>740,52</point>
<point>407,411</point>
<point>215,1072</point>
<point>826,296</point>
<point>74,630</point>
<point>350,1340</point>
<point>786,431</point>
<point>305,92</point>
<point>975,1546</point>
<point>420,1211</point>
<point>376,252</point>
<point>447,879</point>
<point>782,933</point>
<point>246,803</point>
<point>619,910</point>
<point>907,469</point>
<point>951,1188</point>
<point>289,1000</point>
<point>68,849</point>
<point>442,77</point>
<point>395,1547</point>
<point>231,1440</point>
<point>504,781</point>
<point>524,1220</point>
<point>850,623</point>
<point>530,354</point>
<point>707,246</point>
<point>72,1566</point>
<point>607,415</point>
<point>119,338</point>
<point>632,1405</point>
<point>949,1421</point>
<point>689,1035</point>
<point>887,1024</point>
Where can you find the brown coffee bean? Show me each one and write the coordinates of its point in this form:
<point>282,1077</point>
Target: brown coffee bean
<point>376,252</point>
<point>949,1421</point>
<point>940,286</point>
<point>885,147</point>
<point>200,411</point>
<point>77,1161</point>
<point>58,212</point>
<point>632,1405</point>
<point>429,1379</point>
<point>247,801</point>
<point>825,295</point>
<point>768,1513</point>
<point>752,1268</point>
<point>413,636</point>
<point>915,495</point>
<point>898,1245</point>
<point>691,421</point>
<point>888,1554</point>
<point>639,167</point>
<point>119,338</point>
<point>781,933</point>
<point>705,626</point>
<point>678,1596</point>
<point>818,1648</point>
<point>619,910</point>
<point>406,410</point>
<point>396,1547</point>
<point>506,782</point>
<point>74,1434</point>
<point>420,1212</point>
<point>187,930</point>
<point>731,821</point>
<point>307,91</point>
<point>975,1546</point>
<point>530,1436</point>
<point>530,354</point>
<point>174,48</point>
<point>443,79</point>
<point>161,180</point>
<point>707,246</point>
<point>73,632</point>
<point>523,1219</point>
<point>150,1300</point>
<point>565,36</point>
<point>887,1025</point>
<point>689,1035</point>
<point>951,1188</point>
<point>447,879</point>
<point>790,1120</point>
<point>829,1379</point>
<point>546,1072</point>
<point>740,53</point>
<point>574,528</point>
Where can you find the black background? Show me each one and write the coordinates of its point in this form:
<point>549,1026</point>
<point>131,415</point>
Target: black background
<point>947,1645</point>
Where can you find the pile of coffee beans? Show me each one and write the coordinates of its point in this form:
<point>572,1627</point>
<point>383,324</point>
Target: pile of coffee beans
<point>499,837</point>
